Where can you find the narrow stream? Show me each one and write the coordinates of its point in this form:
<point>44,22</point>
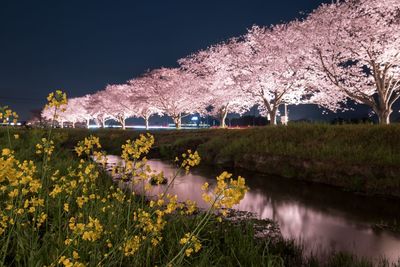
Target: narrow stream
<point>321,217</point>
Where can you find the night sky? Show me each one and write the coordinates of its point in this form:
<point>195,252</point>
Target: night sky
<point>81,46</point>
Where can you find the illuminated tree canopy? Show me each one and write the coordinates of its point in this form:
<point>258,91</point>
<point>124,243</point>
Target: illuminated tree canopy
<point>348,50</point>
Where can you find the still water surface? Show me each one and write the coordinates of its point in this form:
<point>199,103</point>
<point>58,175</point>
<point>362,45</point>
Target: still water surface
<point>321,217</point>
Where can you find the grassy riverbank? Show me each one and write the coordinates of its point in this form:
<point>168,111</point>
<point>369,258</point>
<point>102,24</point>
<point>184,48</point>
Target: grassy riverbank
<point>360,158</point>
<point>223,244</point>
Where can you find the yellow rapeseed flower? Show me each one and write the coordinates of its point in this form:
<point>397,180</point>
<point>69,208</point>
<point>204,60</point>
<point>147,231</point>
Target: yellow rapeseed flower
<point>5,152</point>
<point>56,99</point>
<point>132,246</point>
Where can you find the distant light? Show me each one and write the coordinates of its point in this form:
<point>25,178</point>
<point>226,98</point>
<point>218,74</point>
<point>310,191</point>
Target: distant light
<point>195,118</point>
<point>144,127</point>
<point>11,124</point>
<point>155,127</point>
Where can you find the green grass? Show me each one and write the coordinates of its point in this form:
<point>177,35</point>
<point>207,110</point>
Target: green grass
<point>349,144</point>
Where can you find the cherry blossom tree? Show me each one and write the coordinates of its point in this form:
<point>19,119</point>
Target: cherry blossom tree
<point>174,92</point>
<point>117,103</point>
<point>269,62</point>
<point>75,111</point>
<point>97,107</point>
<point>56,114</point>
<point>345,50</point>
<point>214,69</point>
<point>80,107</point>
<point>65,113</point>
<point>141,99</point>
<point>354,52</point>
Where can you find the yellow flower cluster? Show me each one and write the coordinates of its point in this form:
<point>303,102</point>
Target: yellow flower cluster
<point>133,150</point>
<point>90,231</point>
<point>227,193</point>
<point>19,190</point>
<point>157,178</point>
<point>83,177</point>
<point>150,227</point>
<point>39,220</point>
<point>119,195</point>
<point>7,115</point>
<point>5,220</point>
<point>46,147</point>
<point>190,206</point>
<point>132,245</point>
<point>67,262</point>
<point>135,163</point>
<point>88,146</point>
<point>100,225</point>
<point>191,243</point>
<point>172,204</point>
<point>149,224</point>
<point>189,160</point>
<point>56,99</point>
<point>16,177</point>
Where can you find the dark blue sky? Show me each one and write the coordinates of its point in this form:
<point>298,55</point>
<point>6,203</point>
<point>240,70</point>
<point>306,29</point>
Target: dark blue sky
<point>80,46</point>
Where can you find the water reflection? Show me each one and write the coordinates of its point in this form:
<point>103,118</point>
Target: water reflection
<point>323,218</point>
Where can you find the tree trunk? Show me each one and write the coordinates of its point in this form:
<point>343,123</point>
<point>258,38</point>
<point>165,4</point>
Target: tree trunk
<point>73,125</point>
<point>122,121</point>
<point>103,123</point>
<point>272,109</point>
<point>146,121</point>
<point>272,115</point>
<point>87,123</point>
<point>384,116</point>
<point>178,121</point>
<point>62,124</point>
<point>223,114</point>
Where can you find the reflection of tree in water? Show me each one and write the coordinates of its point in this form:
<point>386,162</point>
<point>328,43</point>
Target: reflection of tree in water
<point>325,199</point>
<point>321,217</point>
<point>320,231</point>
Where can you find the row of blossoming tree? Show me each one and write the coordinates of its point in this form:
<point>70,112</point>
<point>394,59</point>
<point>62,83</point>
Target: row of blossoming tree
<point>349,50</point>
